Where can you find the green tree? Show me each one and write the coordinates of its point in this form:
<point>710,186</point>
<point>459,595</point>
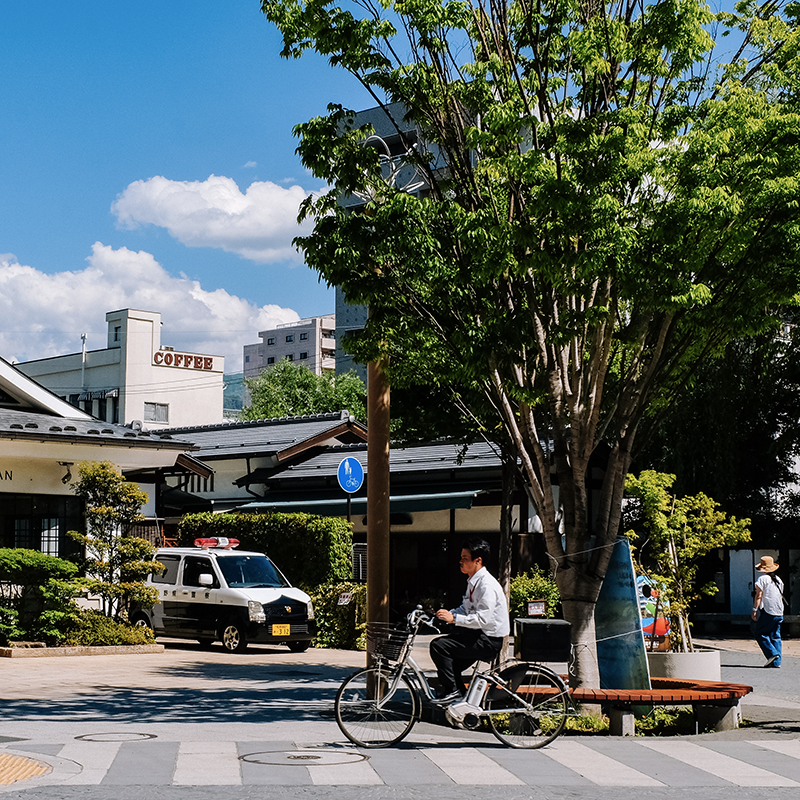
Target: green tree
<point>610,199</point>
<point>291,390</point>
<point>679,531</point>
<point>116,564</point>
<point>733,433</point>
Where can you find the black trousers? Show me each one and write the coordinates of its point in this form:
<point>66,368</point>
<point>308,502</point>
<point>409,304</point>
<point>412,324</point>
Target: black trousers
<point>459,650</point>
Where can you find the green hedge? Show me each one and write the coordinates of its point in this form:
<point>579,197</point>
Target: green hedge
<point>310,550</point>
<point>341,626</point>
<point>533,585</point>
<point>36,596</point>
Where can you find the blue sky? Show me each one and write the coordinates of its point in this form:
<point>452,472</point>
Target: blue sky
<point>115,117</point>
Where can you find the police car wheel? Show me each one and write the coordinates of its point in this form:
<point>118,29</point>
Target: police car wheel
<point>141,621</point>
<point>298,647</point>
<point>233,638</point>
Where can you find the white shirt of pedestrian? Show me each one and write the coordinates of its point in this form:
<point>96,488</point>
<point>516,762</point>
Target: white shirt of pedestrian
<point>484,605</point>
<point>771,600</point>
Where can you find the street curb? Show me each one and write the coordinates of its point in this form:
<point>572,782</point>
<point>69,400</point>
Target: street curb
<point>51,652</point>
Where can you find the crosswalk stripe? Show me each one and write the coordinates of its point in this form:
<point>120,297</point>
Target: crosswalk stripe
<point>730,769</point>
<point>359,774</point>
<point>596,767</point>
<point>787,747</point>
<point>95,759</point>
<point>465,765</point>
<point>207,764</point>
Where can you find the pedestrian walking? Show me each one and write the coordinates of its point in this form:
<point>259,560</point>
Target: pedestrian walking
<point>768,611</point>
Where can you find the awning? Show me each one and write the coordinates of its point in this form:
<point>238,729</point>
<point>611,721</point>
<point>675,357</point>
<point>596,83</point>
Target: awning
<point>337,506</point>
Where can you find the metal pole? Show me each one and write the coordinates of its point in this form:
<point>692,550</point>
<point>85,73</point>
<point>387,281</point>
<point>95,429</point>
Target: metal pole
<point>377,493</point>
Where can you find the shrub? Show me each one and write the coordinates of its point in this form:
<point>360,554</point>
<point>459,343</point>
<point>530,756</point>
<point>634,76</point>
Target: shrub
<point>116,565</point>
<point>37,594</point>
<point>533,585</point>
<point>309,549</point>
<point>93,628</point>
<point>340,626</point>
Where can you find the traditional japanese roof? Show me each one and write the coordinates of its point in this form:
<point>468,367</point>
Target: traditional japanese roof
<point>281,439</point>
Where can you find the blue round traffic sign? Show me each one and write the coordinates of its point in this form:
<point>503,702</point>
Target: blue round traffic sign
<point>350,474</point>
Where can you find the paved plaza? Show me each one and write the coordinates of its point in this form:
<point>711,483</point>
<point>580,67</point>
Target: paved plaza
<point>195,723</point>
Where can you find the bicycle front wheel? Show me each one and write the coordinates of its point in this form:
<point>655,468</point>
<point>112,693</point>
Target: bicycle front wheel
<point>376,708</point>
<point>535,715</point>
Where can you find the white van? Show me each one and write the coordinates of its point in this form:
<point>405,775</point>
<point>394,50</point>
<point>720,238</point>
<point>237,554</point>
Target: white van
<point>213,592</point>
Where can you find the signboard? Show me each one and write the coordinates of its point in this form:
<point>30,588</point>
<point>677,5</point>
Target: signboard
<point>350,474</point>
<point>345,598</point>
<point>537,608</point>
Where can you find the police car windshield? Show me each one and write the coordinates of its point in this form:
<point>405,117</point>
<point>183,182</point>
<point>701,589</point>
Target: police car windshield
<point>250,572</point>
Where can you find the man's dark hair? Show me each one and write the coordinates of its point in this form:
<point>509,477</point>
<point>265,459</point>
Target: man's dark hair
<point>478,548</point>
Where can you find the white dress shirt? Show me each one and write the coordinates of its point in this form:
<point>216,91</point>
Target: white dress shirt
<point>484,605</point>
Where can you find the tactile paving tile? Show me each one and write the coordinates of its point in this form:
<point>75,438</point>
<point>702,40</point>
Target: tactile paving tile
<point>19,768</point>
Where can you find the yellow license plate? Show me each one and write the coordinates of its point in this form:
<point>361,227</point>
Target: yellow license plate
<point>281,630</point>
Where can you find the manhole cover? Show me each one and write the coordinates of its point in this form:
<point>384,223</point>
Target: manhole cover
<point>115,737</point>
<point>19,768</point>
<point>304,758</point>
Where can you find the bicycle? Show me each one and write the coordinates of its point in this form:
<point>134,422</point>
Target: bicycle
<point>525,704</point>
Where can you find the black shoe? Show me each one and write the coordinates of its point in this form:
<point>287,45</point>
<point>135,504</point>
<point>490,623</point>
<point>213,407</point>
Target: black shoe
<point>447,699</point>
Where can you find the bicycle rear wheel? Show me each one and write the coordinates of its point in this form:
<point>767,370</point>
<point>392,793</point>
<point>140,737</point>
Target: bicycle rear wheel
<point>376,709</point>
<point>537,723</point>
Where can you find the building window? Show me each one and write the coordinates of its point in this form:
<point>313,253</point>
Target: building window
<point>22,534</point>
<point>303,356</point>
<point>289,337</point>
<point>156,412</point>
<point>247,359</point>
<point>117,332</point>
<point>290,357</point>
<point>271,340</point>
<point>271,360</point>
<point>50,536</point>
<point>304,336</point>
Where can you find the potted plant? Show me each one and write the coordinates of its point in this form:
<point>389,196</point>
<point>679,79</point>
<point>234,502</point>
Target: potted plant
<point>678,531</point>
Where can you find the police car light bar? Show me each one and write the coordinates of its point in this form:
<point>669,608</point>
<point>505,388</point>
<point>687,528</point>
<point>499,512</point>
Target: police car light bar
<point>217,541</point>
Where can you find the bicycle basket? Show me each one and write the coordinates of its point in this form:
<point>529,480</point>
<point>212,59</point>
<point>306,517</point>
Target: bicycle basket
<point>387,641</point>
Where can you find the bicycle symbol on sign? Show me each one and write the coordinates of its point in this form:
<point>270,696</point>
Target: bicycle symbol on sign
<point>350,474</point>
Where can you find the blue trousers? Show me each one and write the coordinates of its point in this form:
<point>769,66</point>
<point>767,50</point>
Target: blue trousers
<point>768,635</point>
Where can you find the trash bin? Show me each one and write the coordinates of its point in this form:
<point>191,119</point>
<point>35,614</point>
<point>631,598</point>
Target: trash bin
<point>546,640</point>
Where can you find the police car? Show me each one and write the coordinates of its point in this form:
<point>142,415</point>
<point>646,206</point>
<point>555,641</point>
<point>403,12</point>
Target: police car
<point>214,592</point>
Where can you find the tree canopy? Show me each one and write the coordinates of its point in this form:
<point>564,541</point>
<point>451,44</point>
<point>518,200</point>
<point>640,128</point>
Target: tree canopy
<point>292,390</point>
<point>609,198</point>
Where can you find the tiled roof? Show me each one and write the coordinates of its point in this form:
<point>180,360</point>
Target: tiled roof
<point>17,424</point>
<point>423,458</point>
<point>257,437</point>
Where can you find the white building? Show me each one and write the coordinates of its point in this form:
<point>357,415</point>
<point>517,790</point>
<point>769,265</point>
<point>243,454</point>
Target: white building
<point>310,341</point>
<point>136,377</point>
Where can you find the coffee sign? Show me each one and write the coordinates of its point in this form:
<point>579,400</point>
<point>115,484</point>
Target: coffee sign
<point>166,358</point>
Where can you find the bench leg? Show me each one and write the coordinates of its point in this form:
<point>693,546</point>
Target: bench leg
<point>621,721</point>
<point>720,718</point>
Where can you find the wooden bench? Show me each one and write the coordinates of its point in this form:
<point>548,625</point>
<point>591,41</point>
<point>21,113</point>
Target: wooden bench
<point>715,704</point>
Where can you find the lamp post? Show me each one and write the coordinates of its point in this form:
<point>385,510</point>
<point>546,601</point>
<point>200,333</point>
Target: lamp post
<point>378,416</point>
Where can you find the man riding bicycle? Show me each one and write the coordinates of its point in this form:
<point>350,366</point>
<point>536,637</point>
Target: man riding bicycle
<point>480,623</point>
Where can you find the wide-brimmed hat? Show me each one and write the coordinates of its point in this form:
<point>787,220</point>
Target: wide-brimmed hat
<point>767,564</point>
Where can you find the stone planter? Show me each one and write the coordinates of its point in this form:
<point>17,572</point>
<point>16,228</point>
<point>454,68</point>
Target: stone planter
<point>55,652</point>
<point>702,665</point>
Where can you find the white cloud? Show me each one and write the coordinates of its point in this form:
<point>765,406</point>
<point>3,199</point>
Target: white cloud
<point>44,315</point>
<point>251,164</point>
<point>258,225</point>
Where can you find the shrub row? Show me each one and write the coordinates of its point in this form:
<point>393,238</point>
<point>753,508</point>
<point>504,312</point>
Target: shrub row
<point>310,550</point>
